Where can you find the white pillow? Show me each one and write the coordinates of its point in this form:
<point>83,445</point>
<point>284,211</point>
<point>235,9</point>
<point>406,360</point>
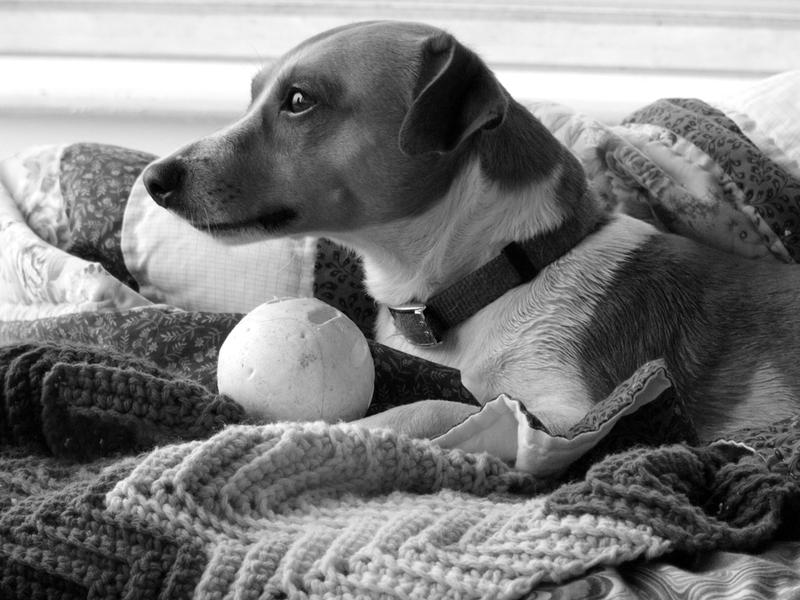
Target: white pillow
<point>176,264</point>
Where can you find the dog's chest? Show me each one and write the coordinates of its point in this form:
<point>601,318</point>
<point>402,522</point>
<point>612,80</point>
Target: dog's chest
<point>526,343</point>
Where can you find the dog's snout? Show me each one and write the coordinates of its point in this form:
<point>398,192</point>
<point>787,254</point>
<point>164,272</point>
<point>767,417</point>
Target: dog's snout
<point>164,180</point>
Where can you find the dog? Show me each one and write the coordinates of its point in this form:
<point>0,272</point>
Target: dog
<point>399,142</point>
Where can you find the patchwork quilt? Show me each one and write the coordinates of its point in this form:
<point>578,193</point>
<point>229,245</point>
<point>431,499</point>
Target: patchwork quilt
<point>123,473</point>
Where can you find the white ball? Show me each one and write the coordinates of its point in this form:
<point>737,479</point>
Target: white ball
<point>297,359</point>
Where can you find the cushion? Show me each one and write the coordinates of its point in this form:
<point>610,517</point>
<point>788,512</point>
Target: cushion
<point>176,264</point>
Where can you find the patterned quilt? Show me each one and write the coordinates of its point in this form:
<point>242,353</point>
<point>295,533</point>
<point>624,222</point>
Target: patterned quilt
<point>124,473</point>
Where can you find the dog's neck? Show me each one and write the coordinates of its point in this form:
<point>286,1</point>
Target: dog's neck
<point>489,204</point>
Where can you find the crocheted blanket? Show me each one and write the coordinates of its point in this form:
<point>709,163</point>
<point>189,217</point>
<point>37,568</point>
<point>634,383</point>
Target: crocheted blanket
<point>317,510</point>
<point>123,473</point>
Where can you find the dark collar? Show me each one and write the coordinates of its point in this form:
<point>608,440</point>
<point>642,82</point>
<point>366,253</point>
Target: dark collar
<point>424,324</point>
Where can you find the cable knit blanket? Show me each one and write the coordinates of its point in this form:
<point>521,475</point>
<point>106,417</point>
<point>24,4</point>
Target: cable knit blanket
<point>124,474</point>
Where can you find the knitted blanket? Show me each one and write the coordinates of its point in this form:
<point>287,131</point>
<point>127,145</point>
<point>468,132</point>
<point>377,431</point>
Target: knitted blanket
<point>312,510</point>
<point>124,474</point>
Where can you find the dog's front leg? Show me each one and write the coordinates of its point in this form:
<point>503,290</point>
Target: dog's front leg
<point>422,419</point>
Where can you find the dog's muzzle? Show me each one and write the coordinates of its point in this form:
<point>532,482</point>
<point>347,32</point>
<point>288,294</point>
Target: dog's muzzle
<point>164,181</point>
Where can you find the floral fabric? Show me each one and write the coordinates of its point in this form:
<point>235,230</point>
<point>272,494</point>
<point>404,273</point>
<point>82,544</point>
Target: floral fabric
<point>339,281</point>
<point>773,193</point>
<point>38,276</point>
<point>95,181</point>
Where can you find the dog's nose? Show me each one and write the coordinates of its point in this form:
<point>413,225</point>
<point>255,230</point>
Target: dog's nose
<point>164,180</point>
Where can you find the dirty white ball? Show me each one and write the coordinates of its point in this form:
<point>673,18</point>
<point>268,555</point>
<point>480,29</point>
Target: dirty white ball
<point>297,359</point>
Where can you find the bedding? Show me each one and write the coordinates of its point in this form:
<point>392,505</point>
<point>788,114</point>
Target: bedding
<point>124,473</point>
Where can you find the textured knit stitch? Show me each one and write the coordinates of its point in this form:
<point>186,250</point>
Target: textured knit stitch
<point>314,510</point>
<point>84,402</point>
<point>692,496</point>
<point>77,550</point>
<point>323,511</point>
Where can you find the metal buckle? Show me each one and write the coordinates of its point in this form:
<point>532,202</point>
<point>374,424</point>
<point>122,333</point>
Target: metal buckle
<point>417,327</point>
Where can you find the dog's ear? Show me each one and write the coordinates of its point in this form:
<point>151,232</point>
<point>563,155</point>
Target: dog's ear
<point>455,96</point>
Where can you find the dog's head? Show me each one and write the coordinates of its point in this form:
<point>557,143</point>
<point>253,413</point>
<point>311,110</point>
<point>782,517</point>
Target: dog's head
<point>359,125</point>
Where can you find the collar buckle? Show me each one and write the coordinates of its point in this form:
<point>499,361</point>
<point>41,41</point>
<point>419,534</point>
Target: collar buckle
<point>416,326</point>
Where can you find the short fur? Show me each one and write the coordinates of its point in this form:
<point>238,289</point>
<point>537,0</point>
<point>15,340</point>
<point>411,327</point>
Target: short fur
<point>408,150</point>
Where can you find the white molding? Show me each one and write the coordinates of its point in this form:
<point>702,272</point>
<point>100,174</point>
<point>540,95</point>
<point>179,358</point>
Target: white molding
<point>730,12</point>
<point>700,37</point>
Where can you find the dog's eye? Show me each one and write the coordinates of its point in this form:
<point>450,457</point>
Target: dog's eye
<point>297,101</point>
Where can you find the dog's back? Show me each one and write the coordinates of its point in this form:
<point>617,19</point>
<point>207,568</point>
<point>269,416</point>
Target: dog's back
<point>727,327</point>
